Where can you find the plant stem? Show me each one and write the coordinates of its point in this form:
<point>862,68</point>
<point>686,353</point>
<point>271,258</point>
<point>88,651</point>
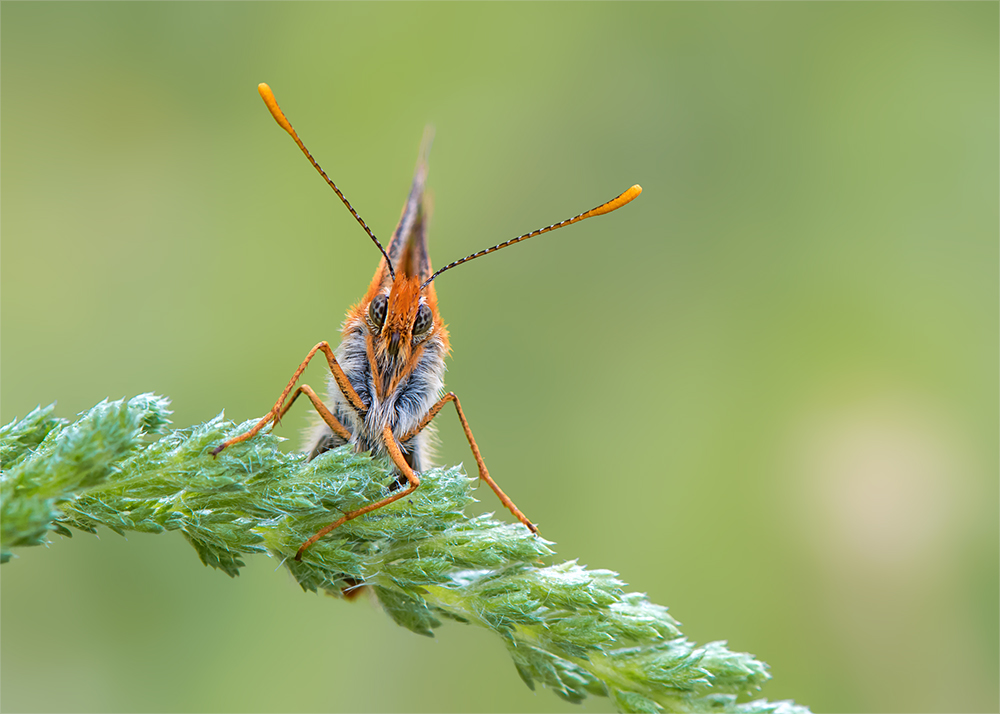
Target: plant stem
<point>573,629</point>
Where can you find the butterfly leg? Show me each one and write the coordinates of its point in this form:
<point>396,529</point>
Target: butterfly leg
<point>400,461</point>
<point>325,414</point>
<point>280,408</point>
<point>484,474</point>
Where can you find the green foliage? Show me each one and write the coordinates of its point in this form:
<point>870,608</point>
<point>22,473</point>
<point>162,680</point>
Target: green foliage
<point>574,630</point>
<point>46,460</point>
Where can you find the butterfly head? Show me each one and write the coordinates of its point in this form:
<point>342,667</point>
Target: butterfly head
<point>400,318</point>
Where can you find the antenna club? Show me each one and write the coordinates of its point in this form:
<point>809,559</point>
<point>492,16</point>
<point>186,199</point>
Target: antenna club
<point>272,105</point>
<point>616,203</point>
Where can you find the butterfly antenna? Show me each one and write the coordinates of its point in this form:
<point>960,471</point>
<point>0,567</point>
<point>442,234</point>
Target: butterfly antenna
<point>608,207</point>
<point>279,116</point>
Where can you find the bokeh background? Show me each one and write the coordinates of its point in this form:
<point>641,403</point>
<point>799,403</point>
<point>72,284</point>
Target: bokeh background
<point>765,392</point>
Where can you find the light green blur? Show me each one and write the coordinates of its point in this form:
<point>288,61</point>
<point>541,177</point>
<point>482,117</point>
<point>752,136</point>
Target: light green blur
<point>765,392</point>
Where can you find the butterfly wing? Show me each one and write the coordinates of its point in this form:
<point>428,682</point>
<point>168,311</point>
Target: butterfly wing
<point>408,246</point>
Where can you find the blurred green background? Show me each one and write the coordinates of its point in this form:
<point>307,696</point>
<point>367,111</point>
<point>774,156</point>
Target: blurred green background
<point>765,392</point>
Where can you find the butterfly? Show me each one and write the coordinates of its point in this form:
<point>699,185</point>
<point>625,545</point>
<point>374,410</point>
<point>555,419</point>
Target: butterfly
<point>388,371</point>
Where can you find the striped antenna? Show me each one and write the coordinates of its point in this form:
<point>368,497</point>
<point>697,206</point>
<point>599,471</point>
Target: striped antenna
<point>608,207</point>
<point>279,116</point>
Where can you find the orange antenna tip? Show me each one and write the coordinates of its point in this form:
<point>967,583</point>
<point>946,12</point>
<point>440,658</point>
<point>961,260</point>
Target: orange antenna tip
<point>272,105</point>
<point>615,203</point>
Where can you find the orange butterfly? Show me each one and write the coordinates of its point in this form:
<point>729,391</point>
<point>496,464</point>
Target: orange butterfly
<point>388,372</point>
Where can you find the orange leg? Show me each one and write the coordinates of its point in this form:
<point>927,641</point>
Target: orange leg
<point>400,461</point>
<point>327,416</point>
<point>277,411</point>
<point>484,474</point>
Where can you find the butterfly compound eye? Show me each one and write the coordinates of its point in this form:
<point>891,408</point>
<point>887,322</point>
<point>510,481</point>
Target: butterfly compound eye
<point>424,320</point>
<point>376,310</point>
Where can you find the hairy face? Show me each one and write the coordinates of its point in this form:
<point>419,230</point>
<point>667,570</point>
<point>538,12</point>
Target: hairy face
<point>400,318</point>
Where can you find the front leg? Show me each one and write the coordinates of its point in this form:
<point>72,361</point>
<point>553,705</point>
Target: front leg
<point>280,407</point>
<point>484,474</point>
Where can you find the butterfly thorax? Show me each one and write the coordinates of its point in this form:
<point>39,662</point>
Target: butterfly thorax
<point>393,350</point>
